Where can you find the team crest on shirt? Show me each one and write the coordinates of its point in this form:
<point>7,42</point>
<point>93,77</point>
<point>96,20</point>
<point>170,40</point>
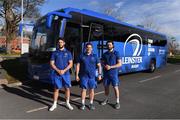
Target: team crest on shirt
<point>83,57</point>
<point>65,54</point>
<point>92,58</point>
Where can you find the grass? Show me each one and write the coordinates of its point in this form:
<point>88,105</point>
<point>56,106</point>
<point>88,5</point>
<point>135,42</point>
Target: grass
<point>175,59</point>
<point>15,70</point>
<point>9,55</point>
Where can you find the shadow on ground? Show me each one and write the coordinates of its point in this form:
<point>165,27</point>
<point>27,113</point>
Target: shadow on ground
<point>15,69</point>
<point>40,92</point>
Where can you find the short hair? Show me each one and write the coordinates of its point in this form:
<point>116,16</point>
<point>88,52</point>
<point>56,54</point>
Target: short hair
<point>60,38</point>
<point>89,44</point>
<point>110,41</point>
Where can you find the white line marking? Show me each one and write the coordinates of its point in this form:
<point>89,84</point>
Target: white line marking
<point>177,71</point>
<point>45,107</point>
<point>150,79</point>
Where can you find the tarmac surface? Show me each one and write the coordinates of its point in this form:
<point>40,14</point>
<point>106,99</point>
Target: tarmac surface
<point>143,96</point>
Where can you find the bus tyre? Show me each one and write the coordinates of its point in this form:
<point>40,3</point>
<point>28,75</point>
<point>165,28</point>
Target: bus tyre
<point>152,66</point>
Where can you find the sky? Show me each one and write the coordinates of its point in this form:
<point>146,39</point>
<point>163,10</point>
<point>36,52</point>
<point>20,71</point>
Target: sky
<point>164,13</point>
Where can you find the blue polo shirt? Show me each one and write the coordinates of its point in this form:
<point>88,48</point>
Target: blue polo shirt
<point>111,58</point>
<point>88,64</point>
<point>61,58</point>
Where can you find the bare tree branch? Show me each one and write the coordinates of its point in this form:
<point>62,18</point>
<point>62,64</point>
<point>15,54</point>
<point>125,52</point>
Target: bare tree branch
<point>110,11</point>
<point>10,10</point>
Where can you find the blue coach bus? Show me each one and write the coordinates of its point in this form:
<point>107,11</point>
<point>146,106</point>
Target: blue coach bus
<point>140,49</point>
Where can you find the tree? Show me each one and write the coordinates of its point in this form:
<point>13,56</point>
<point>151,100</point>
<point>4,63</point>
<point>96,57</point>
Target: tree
<point>113,12</point>
<point>149,23</point>
<point>10,11</point>
<point>172,45</point>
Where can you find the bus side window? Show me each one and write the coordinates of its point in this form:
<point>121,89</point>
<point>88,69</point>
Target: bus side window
<point>73,39</point>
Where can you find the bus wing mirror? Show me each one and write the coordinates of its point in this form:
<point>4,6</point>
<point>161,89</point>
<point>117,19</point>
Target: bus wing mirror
<point>51,15</point>
<point>49,21</point>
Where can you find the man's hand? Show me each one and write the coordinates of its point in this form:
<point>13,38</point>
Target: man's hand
<point>107,67</point>
<point>77,78</point>
<point>58,71</point>
<point>62,72</point>
<point>99,78</point>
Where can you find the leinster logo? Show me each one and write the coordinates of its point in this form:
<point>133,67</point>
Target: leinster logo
<point>136,41</point>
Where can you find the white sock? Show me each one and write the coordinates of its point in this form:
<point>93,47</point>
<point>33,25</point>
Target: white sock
<point>91,101</point>
<point>55,103</point>
<point>83,102</point>
<point>106,98</point>
<point>117,100</point>
<point>67,101</point>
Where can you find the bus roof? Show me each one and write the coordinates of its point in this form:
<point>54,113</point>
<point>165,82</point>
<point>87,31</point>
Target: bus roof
<point>103,17</point>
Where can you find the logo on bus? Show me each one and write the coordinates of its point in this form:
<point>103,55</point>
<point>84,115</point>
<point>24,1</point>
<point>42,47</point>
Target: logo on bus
<point>136,40</point>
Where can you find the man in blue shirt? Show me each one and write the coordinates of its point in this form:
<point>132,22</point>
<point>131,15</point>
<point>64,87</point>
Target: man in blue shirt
<point>86,73</point>
<point>111,62</point>
<point>61,62</point>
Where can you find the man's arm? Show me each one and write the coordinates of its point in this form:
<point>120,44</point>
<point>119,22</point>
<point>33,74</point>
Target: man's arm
<point>77,71</point>
<point>99,71</point>
<point>119,64</point>
<point>54,66</point>
<point>69,66</point>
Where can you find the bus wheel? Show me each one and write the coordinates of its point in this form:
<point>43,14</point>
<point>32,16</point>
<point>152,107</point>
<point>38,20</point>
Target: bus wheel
<point>152,66</point>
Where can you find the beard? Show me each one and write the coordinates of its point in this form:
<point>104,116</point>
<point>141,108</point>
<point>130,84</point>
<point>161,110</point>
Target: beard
<point>110,49</point>
<point>60,47</point>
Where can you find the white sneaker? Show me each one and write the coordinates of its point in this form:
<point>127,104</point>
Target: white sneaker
<point>104,102</point>
<point>68,105</point>
<point>54,106</point>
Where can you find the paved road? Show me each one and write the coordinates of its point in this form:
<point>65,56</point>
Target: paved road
<point>143,95</point>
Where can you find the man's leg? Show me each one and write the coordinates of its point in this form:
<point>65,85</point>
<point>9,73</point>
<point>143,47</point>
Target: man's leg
<point>91,96</point>
<point>67,92</point>
<point>116,91</point>
<point>55,99</point>
<point>106,88</point>
<point>83,98</point>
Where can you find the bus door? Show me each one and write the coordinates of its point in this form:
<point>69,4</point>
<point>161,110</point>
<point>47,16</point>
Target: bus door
<point>96,37</point>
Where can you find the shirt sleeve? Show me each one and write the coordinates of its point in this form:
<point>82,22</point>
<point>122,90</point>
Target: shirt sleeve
<point>97,59</point>
<point>53,56</point>
<point>70,56</point>
<point>118,56</point>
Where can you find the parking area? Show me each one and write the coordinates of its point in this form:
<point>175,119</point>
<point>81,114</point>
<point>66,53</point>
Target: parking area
<point>143,95</point>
